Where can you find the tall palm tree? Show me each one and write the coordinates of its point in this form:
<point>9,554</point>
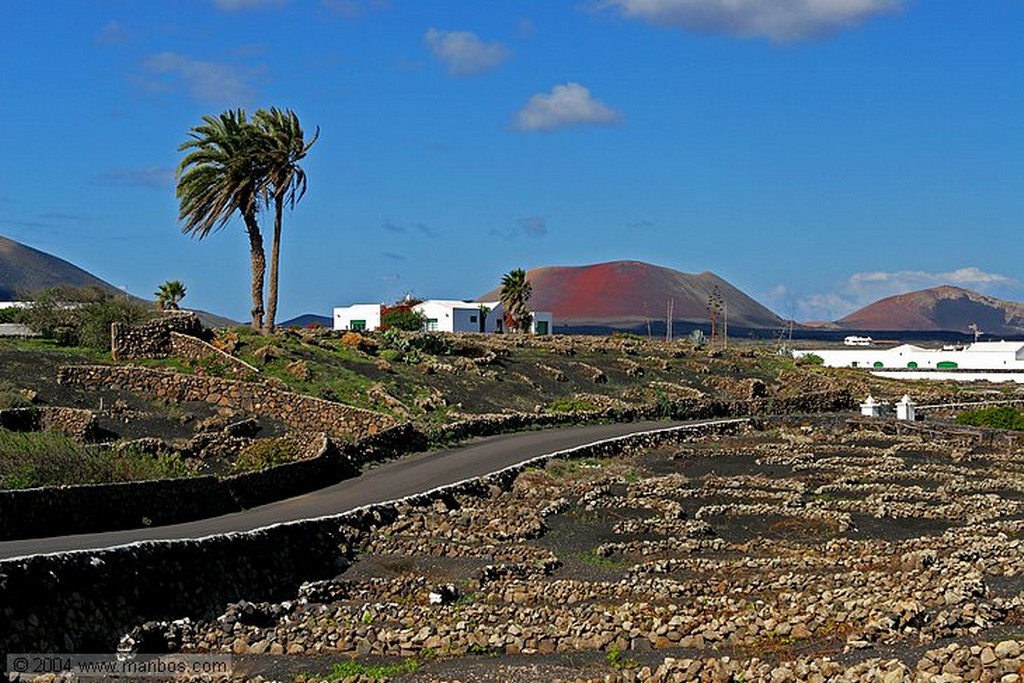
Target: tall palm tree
<point>285,147</point>
<point>515,296</point>
<point>223,172</point>
<point>169,294</point>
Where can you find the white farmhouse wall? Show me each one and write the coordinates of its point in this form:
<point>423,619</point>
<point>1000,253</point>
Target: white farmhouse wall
<point>450,316</point>
<point>359,316</point>
<point>443,315</point>
<point>978,356</point>
<point>543,322</point>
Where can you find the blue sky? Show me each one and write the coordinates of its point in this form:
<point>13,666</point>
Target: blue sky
<point>818,154</point>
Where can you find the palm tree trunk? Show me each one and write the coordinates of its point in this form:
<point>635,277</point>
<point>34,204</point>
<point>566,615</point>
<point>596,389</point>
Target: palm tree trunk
<point>275,253</point>
<point>258,261</point>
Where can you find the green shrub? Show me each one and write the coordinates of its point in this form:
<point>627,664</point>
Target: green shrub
<point>81,316</point>
<point>10,315</point>
<point>12,397</point>
<point>265,453</point>
<point>412,348</point>
<point>434,344</point>
<point>996,417</point>
<point>352,669</point>
<point>403,318</point>
<point>810,359</point>
<point>571,404</point>
<point>29,459</point>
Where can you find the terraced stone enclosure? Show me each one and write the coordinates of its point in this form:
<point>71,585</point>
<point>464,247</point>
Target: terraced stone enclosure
<point>821,552</point>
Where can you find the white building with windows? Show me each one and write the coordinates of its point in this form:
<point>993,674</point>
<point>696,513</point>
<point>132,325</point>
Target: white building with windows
<point>993,361</point>
<point>444,315</point>
<point>450,315</point>
<point>358,317</point>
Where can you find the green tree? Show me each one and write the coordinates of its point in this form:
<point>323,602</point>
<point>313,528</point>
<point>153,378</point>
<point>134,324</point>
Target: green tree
<point>81,316</point>
<point>403,318</point>
<point>515,295</point>
<point>169,294</point>
<point>224,171</point>
<point>484,312</point>
<point>285,146</point>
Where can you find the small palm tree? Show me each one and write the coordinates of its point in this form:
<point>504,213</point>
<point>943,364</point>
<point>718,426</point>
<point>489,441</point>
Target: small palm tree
<point>285,147</point>
<point>169,294</point>
<point>223,172</point>
<point>484,312</point>
<point>515,296</point>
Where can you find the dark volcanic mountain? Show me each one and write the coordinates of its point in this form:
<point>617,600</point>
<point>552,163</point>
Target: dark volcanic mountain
<point>942,308</point>
<point>24,270</point>
<point>627,294</point>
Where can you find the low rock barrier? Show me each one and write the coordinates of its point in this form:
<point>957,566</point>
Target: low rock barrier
<point>84,601</point>
<point>304,413</point>
<point>63,510</point>
<point>77,423</point>
<point>198,351</point>
<point>152,339</point>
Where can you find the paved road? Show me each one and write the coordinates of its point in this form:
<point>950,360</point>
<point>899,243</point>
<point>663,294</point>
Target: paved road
<point>396,479</point>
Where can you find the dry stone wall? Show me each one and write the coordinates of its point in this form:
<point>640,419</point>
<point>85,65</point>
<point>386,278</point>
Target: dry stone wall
<point>88,508</point>
<point>77,423</point>
<point>152,339</point>
<point>84,602</point>
<point>58,511</point>
<point>198,351</point>
<point>304,413</point>
<point>65,510</point>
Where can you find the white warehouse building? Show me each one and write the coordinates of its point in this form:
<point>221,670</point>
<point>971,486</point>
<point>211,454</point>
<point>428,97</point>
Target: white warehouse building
<point>444,315</point>
<point>995,361</point>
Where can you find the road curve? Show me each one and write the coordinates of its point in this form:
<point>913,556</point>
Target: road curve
<point>405,476</point>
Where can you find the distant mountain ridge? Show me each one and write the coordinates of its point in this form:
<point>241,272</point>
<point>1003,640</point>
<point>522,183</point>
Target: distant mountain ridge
<point>24,271</point>
<point>628,294</point>
<point>943,308</point>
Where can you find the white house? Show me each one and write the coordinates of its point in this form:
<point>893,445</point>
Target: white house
<point>358,317</point>
<point>995,361</point>
<point>444,315</point>
<point>452,315</point>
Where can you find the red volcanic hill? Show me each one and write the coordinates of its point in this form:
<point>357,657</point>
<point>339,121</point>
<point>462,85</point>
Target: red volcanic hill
<point>626,294</point>
<point>943,308</point>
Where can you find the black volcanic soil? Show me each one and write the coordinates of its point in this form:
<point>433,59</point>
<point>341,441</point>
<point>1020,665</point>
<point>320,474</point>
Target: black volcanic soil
<point>121,414</point>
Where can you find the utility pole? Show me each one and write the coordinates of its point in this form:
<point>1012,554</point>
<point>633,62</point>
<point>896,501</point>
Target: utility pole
<point>669,310</point>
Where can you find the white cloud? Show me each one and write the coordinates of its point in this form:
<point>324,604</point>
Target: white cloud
<point>861,289</point>
<point>205,81</point>
<point>569,104</point>
<point>234,5</point>
<point>464,52</point>
<point>782,21</point>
